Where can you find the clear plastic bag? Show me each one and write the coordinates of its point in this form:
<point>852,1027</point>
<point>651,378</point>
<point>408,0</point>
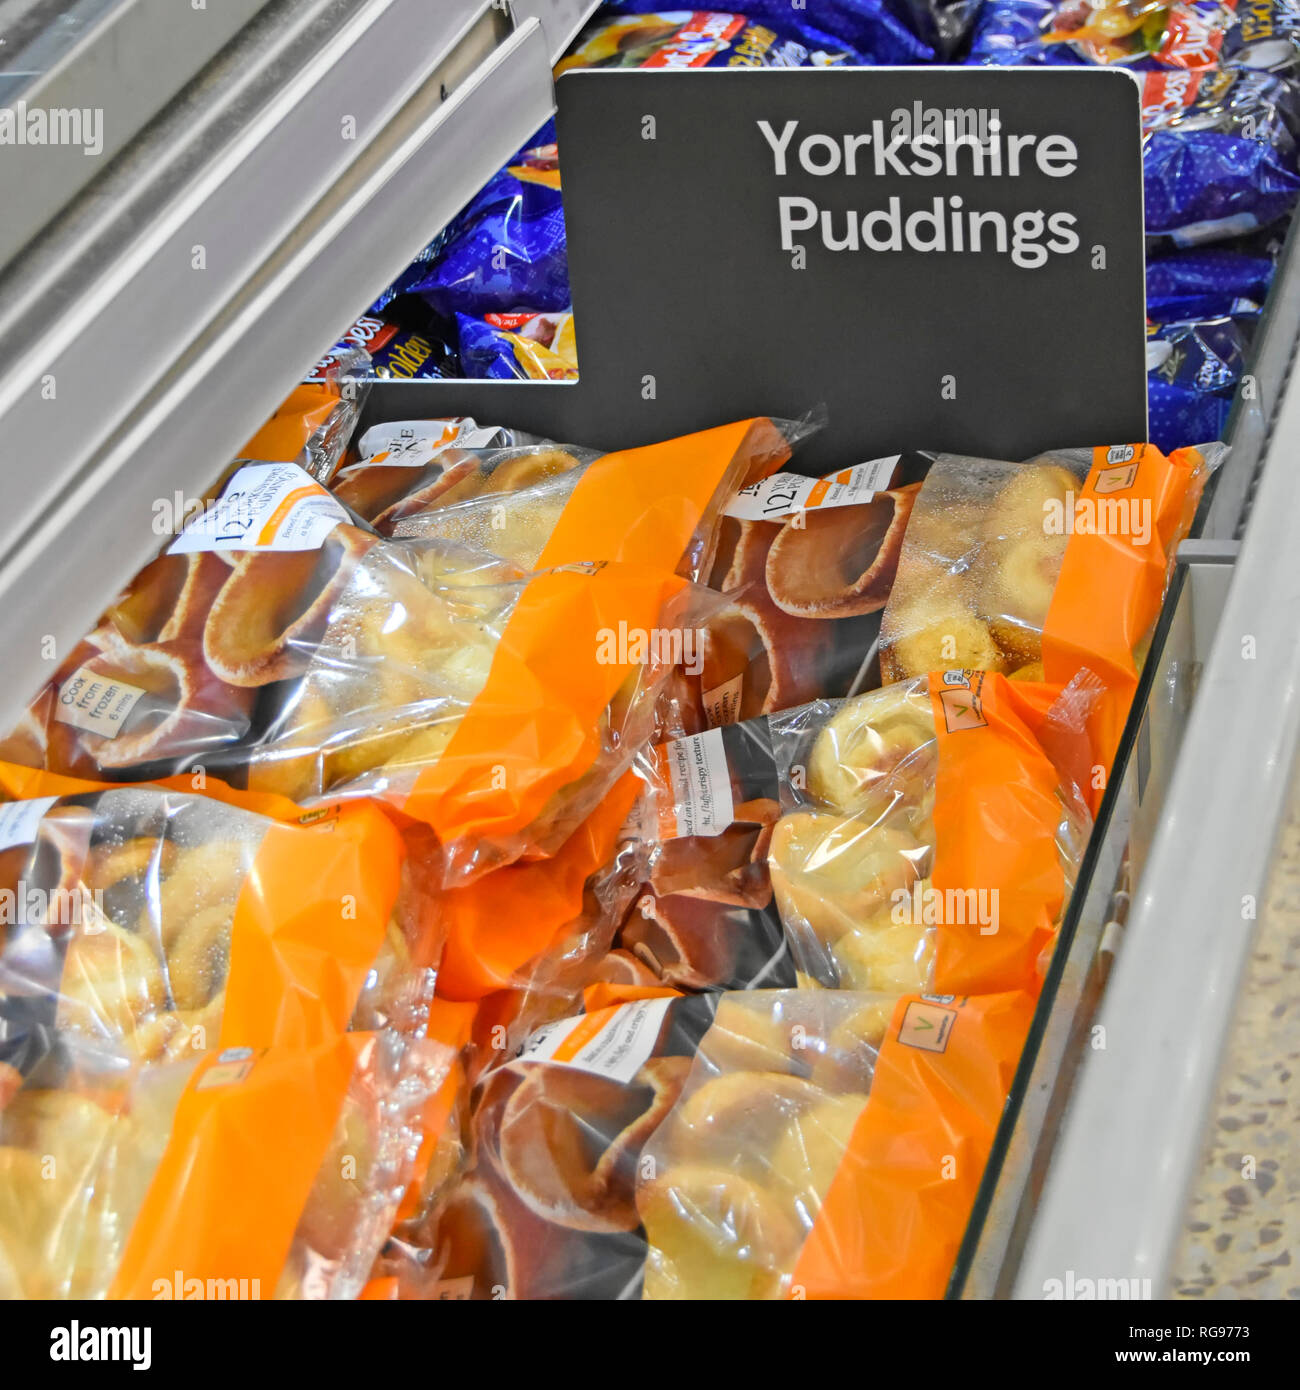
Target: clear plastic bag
<point>241,1174</point>
<point>705,917</point>
<point>483,487</point>
<point>539,504</point>
<point>827,1145</point>
<point>169,677</point>
<point>496,705</point>
<point>548,1209</point>
<point>1043,569</point>
<point>929,841</point>
<point>734,1178</point>
<point>979,566</point>
<point>162,924</point>
<point>807,566</point>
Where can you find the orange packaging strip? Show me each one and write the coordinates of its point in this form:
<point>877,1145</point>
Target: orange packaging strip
<point>495,927</point>
<point>166,923</point>
<point>535,726</point>
<point>1113,577</point>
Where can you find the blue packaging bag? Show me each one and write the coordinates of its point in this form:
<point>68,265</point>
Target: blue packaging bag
<point>1179,415</point>
<point>1203,185</point>
<point>508,247</point>
<point>1206,283</point>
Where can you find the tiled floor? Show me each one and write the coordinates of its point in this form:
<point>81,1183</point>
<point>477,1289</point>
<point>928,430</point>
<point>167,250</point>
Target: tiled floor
<point>1243,1222</point>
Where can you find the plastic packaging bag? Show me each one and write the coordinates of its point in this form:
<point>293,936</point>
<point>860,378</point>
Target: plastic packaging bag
<point>807,565</point>
<point>1206,356</point>
<point>541,504</point>
<point>705,917</point>
<point>494,705</point>
<point>525,927</point>
<point>827,1145</point>
<point>519,346</point>
<point>1266,36</point>
<point>160,923</point>
<point>1193,368</point>
<point>455,703</point>
<point>242,1174</point>
<point>1219,157</point>
<point>168,677</point>
<point>396,348</point>
<point>1042,569</point>
<point>138,696</point>
<point>315,421</point>
<point>402,1268</point>
<point>507,248</point>
<point>548,1209</point>
<point>1189,285</point>
<point>1009,33</point>
<point>556,722</point>
<point>407,464</point>
<point>650,37</point>
<point>1204,185</point>
<point>1143,33</point>
<point>480,488</point>
<point>1176,414</point>
<point>930,842</point>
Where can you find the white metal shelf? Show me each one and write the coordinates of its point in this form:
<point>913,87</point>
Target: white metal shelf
<point>1131,1142</point>
<point>122,59</point>
<point>562,20</point>
<point>311,162</point>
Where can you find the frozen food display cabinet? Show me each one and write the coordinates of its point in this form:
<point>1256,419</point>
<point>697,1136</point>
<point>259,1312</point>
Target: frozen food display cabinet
<point>159,298</point>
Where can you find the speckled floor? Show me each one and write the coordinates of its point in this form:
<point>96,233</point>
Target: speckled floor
<point>1243,1222</point>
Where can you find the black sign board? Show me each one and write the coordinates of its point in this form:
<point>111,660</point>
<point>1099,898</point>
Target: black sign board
<point>947,258</point>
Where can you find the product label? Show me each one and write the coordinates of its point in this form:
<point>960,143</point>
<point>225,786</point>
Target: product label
<point>459,1289</point>
<point>1158,352</point>
<point>959,698</point>
<point>784,494</point>
<point>19,819</point>
<point>1167,94</point>
<point>417,443</point>
<point>1194,34</point>
<point>96,703</point>
<point>614,1042</point>
<point>228,1068</point>
<point>926,1026</point>
<point>697,780</point>
<point>722,703</point>
<point>704,35</point>
<point>266,506</point>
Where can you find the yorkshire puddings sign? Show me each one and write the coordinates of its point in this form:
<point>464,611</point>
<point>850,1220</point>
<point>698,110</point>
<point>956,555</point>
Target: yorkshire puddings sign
<point>925,144</point>
<point>947,258</point>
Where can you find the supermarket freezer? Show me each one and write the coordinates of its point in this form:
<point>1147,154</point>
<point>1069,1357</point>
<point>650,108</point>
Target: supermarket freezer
<point>313,225</point>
